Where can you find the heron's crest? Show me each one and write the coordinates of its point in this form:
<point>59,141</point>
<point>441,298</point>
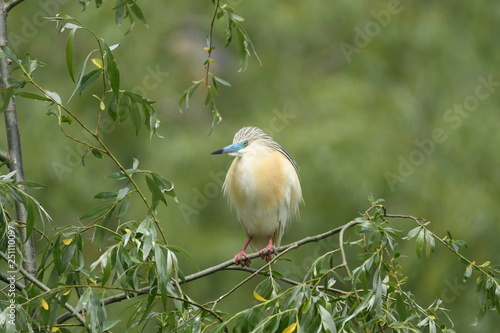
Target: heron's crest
<point>255,134</point>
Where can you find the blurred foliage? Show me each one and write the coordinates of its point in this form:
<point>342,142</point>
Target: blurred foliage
<point>357,123</point>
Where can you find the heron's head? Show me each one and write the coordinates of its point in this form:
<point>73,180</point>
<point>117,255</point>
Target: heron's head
<point>246,138</point>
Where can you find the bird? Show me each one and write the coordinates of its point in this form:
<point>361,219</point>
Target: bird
<point>263,185</point>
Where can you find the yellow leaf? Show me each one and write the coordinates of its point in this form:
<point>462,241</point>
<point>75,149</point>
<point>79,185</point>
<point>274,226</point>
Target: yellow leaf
<point>486,264</point>
<point>45,305</point>
<point>102,106</point>
<point>55,329</point>
<point>290,328</point>
<point>69,290</point>
<point>97,62</point>
<point>258,297</point>
<point>206,48</point>
<point>67,241</point>
<point>211,60</point>
<point>432,317</point>
<point>127,230</point>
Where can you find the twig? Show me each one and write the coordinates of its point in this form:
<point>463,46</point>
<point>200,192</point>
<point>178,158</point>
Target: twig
<point>210,43</point>
<point>4,156</point>
<point>285,280</point>
<point>420,222</point>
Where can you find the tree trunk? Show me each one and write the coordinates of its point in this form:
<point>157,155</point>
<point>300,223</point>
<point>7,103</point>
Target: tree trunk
<point>15,161</point>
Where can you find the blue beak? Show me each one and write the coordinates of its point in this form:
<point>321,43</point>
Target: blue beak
<point>228,149</point>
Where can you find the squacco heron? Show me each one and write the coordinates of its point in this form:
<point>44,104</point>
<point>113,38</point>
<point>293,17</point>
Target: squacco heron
<point>263,186</point>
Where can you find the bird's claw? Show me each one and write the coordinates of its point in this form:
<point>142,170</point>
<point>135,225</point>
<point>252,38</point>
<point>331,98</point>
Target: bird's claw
<point>241,259</point>
<point>267,253</point>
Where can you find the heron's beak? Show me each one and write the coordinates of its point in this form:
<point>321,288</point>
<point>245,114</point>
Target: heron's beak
<point>228,149</point>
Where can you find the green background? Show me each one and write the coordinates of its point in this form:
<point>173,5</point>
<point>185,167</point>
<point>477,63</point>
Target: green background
<point>354,91</point>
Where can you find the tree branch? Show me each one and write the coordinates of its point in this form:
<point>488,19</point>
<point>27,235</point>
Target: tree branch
<point>11,4</point>
<point>6,278</point>
<point>4,156</point>
<point>222,266</point>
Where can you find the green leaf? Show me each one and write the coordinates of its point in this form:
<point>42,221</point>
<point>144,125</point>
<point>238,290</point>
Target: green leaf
<point>30,221</point>
<point>113,107</point>
<point>413,232</point>
<point>468,273</point>
<point>218,79</point>
<point>124,105</point>
<point>98,211</point>
<point>117,176</point>
<point>327,320</point>
<point>8,52</point>
<point>36,97</point>
<point>96,153</point>
<point>105,195</point>
<point>112,70</point>
<point>7,95</point>
<point>138,12</point>
<point>69,53</point>
<point>89,78</point>
<point>156,194</point>
<point>106,325</point>
<point>419,244</point>
<point>33,185</point>
<point>162,268</point>
<point>123,191</point>
<point>80,75</point>
<point>135,117</point>
<point>186,95</point>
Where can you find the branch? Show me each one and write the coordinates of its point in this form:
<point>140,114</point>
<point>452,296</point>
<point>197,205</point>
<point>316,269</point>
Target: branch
<point>420,222</point>
<point>222,266</point>
<point>294,245</point>
<point>210,43</point>
<point>4,156</point>
<point>11,4</point>
<point>286,280</point>
<point>6,278</point>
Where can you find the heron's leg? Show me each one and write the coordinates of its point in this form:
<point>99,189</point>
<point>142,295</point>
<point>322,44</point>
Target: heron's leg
<point>241,258</point>
<point>267,252</point>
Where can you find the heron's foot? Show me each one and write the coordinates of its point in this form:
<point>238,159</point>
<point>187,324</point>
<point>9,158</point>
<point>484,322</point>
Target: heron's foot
<point>242,259</point>
<point>267,252</point>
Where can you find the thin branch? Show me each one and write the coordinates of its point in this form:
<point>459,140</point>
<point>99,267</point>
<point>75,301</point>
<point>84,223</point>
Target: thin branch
<point>285,280</point>
<point>210,43</point>
<point>421,221</point>
<point>4,156</point>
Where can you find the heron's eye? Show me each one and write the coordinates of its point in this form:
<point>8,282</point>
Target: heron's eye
<point>245,143</point>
